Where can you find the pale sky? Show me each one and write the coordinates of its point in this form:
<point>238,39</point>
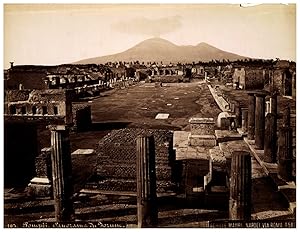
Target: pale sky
<point>55,34</point>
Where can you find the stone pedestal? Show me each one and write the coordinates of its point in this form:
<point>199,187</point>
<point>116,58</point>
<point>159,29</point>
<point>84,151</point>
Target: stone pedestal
<point>251,116</point>
<point>202,126</point>
<point>40,187</point>
<point>260,121</point>
<point>61,173</point>
<point>202,132</point>
<point>41,184</point>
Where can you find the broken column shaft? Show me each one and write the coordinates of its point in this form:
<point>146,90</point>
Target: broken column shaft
<point>270,139</point>
<point>240,186</point>
<point>61,173</point>
<point>260,121</point>
<point>251,116</point>
<point>146,183</point>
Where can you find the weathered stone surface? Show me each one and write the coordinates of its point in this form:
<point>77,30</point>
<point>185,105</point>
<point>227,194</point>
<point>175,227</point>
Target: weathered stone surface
<point>39,190</point>
<point>202,126</point>
<point>43,163</point>
<point>202,140</point>
<point>189,152</point>
<point>40,187</point>
<point>217,159</point>
<point>180,139</point>
<point>227,135</point>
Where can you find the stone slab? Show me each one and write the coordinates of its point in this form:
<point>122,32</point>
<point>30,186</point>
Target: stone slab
<point>202,120</point>
<point>162,116</point>
<point>202,140</point>
<point>46,149</point>
<point>185,153</point>
<point>227,135</point>
<point>40,180</point>
<point>84,152</point>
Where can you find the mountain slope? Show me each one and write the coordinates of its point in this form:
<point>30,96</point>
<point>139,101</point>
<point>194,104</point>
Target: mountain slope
<point>157,49</point>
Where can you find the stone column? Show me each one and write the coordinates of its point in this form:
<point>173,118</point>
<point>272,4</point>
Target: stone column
<point>273,104</point>
<point>285,154</point>
<point>270,139</point>
<point>61,173</point>
<point>251,116</point>
<point>240,186</point>
<point>147,212</point>
<point>260,121</point>
<point>285,149</point>
<point>244,119</point>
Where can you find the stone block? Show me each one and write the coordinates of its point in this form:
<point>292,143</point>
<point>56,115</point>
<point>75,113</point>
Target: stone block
<point>202,126</point>
<point>86,152</point>
<point>217,160</point>
<point>227,135</point>
<point>40,187</point>
<point>202,140</point>
<point>43,163</point>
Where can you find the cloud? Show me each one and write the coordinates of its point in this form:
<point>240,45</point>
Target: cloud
<point>145,26</point>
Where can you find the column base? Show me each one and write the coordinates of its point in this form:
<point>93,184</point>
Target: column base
<point>40,187</point>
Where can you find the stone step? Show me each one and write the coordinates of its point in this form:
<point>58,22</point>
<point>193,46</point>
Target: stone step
<point>227,135</point>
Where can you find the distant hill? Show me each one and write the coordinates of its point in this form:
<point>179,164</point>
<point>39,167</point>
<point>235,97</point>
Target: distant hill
<point>157,50</point>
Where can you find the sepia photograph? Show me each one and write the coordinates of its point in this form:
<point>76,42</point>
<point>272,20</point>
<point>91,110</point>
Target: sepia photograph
<point>149,115</point>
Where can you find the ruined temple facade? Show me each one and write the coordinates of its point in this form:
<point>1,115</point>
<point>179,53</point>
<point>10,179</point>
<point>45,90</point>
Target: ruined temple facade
<point>251,77</point>
<point>26,117</point>
<point>39,103</point>
<point>284,78</point>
